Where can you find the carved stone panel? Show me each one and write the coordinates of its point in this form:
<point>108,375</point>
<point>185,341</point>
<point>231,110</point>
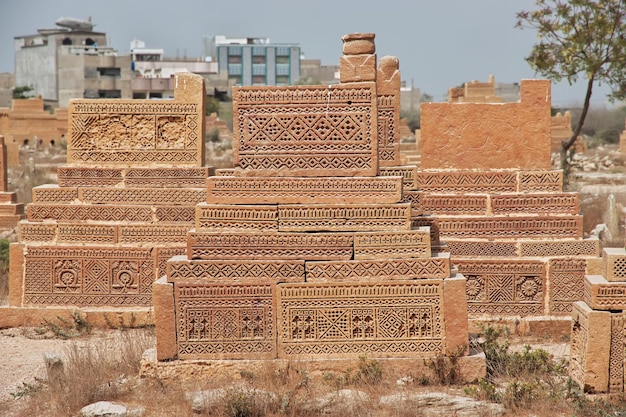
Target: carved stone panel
<point>303,190</point>
<point>407,172</point>
<point>556,247</point>
<point>562,203</point>
<point>82,212</point>
<point>541,181</point>
<point>111,195</point>
<point>504,287</point>
<point>349,320</point>
<point>567,278</point>
<point>236,218</point>
<point>488,135</point>
<point>378,270</point>
<point>467,181</point>
<point>286,246</point>
<point>390,245</point>
<point>601,294</point>
<point>140,132</point>
<point>88,276</point>
<point>616,353</point>
<point>306,131</point>
<point>344,217</point>
<point>233,321</point>
<point>446,204</point>
<point>181,269</point>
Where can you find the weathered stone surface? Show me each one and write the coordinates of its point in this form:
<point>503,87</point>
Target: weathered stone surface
<point>390,244</point>
<point>302,190</point>
<point>407,172</point>
<point>164,319</point>
<point>566,277</point>
<point>104,409</point>
<point>436,404</point>
<point>140,132</point>
<point>601,294</point>
<point>181,269</point>
<point>388,89</point>
<point>325,131</point>
<point>399,319</point>
<point>237,218</point>
<point>356,68</point>
<point>455,316</point>
<point>615,260</point>
<point>378,270</point>
<point>489,136</point>
<point>358,43</point>
<point>16,274</point>
<point>590,348</point>
<point>344,217</point>
<point>286,246</point>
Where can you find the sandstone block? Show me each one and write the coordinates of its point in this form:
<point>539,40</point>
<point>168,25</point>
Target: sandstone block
<point>385,319</point>
<point>52,193</point>
<point>344,217</point>
<point>181,269</point>
<point>601,294</point>
<point>615,259</point>
<point>325,131</point>
<point>455,316</point>
<point>235,321</point>
<point>589,247</point>
<point>487,135</point>
<point>446,204</point>
<point>271,246</point>
<point>356,68</point>
<point>566,277</point>
<point>561,203</point>
<point>466,181</point>
<point>165,133</point>
<point>16,275</point>
<point>303,190</point>
<point>390,245</point>
<point>236,218</point>
<point>378,270</point>
<point>358,43</point>
<point>165,319</point>
<point>541,181</point>
<point>113,195</point>
<point>407,172</point>
<point>590,348</point>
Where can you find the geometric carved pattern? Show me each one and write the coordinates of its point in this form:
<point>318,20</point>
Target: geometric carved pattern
<point>153,233</point>
<point>512,227</point>
<point>504,287</point>
<point>466,247</point>
<point>407,172</point>
<point>88,276</point>
<point>222,217</point>
<point>389,245</point>
<point>125,132</point>
<point>309,246</point>
<point>415,198</point>
<point>467,182</point>
<point>184,177</point>
<point>164,254</point>
<point>225,321</point>
<point>565,203</point>
<point>601,294</point>
<point>54,194</point>
<point>541,181</point>
<point>306,131</point>
<point>585,247</point>
<point>300,190</point>
<point>344,217</point>
<point>377,270</point>
<point>578,344</point>
<point>348,320</point>
<point>185,214</point>
<point>454,204</point>
<point>74,212</point>
<point>181,269</point>
<point>616,354</point>
<point>102,195</point>
<point>566,283</point>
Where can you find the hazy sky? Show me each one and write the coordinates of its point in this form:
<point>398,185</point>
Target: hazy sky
<point>440,43</point>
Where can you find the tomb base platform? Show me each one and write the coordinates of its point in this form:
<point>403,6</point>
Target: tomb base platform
<point>471,368</point>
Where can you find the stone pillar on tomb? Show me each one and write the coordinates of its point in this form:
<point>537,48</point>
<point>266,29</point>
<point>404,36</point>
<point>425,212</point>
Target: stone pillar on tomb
<point>11,212</point>
<point>388,91</point>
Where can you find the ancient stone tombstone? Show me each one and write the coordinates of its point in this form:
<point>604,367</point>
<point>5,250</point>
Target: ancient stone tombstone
<point>123,204</point>
<point>304,249</point>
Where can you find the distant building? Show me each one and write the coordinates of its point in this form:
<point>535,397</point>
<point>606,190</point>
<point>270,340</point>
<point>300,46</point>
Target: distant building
<point>71,61</point>
<point>255,61</point>
<point>313,72</point>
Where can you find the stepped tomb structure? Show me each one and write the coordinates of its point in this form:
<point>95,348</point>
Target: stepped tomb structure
<point>123,204</point>
<point>304,250</point>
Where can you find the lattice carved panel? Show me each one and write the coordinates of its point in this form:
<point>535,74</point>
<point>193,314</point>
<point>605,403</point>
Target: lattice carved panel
<point>88,276</point>
<point>225,321</point>
<point>504,287</point>
<point>110,195</point>
<point>389,245</point>
<point>306,131</point>
<point>276,246</point>
<point>140,132</point>
<point>567,278</point>
<point>348,320</point>
<point>82,212</point>
<point>616,354</point>
<point>557,227</point>
<point>546,248</point>
<point>466,247</point>
<point>302,190</point>
<point>236,218</point>
<point>181,269</point>
<point>344,217</point>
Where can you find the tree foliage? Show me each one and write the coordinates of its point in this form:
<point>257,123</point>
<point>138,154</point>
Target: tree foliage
<point>579,38</point>
<point>22,91</point>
